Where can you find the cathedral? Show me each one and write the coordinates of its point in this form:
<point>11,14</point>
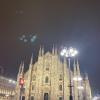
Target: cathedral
<point>48,79</point>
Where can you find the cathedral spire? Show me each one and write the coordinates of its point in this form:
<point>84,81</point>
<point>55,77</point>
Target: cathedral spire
<point>87,87</point>
<point>30,76</point>
<point>53,51</point>
<point>56,51</point>
<point>74,68</point>
<point>86,76</point>
<point>78,68</point>
<point>40,51</point>
<point>31,61</point>
<point>22,71</point>
<point>20,68</point>
<point>75,82</point>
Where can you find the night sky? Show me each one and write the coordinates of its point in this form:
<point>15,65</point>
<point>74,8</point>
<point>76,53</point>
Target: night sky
<point>70,23</point>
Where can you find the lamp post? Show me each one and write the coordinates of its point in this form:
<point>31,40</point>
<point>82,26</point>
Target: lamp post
<point>68,53</point>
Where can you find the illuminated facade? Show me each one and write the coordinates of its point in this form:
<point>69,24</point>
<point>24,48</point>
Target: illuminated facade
<point>48,79</point>
<point>7,88</point>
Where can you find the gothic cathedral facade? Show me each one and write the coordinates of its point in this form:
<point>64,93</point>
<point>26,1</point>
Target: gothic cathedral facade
<point>48,79</point>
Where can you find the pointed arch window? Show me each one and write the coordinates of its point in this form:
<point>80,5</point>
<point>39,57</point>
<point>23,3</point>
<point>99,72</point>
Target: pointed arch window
<point>46,79</point>
<point>60,77</point>
<point>47,66</point>
<point>33,87</point>
<point>60,87</point>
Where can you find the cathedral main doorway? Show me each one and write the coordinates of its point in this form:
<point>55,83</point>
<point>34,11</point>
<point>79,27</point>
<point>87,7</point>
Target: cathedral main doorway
<point>46,96</point>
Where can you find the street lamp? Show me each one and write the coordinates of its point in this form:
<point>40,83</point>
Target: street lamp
<point>68,53</point>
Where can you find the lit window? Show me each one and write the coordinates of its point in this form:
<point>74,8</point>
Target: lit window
<point>60,87</point>
<point>46,80</point>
